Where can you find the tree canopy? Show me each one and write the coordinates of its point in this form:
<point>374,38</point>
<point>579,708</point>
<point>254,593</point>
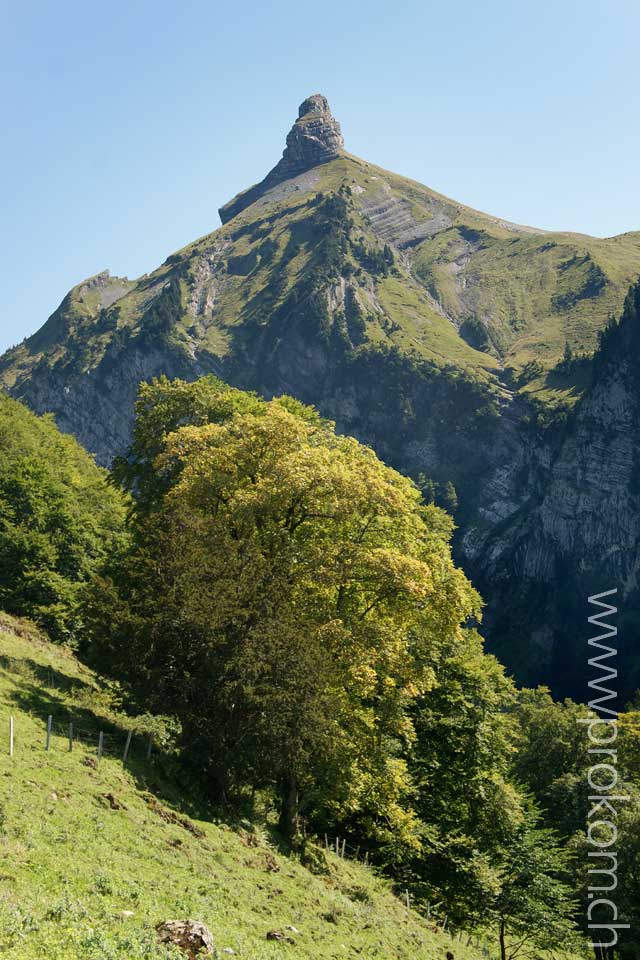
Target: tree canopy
<point>294,602</point>
<point>306,595</point>
<point>59,519</point>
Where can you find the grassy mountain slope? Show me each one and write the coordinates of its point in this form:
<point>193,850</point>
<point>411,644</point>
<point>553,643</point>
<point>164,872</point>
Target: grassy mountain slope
<point>80,879</point>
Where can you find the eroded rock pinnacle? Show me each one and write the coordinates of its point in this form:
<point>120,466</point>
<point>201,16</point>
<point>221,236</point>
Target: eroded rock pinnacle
<point>314,138</point>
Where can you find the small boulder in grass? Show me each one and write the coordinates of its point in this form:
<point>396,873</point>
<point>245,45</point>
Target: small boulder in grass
<point>279,936</point>
<point>190,936</point>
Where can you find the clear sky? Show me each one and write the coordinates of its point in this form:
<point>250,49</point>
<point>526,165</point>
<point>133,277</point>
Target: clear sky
<point>126,124</point>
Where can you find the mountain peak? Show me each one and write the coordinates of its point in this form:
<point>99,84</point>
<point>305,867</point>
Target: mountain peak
<point>314,138</point>
<point>316,103</point>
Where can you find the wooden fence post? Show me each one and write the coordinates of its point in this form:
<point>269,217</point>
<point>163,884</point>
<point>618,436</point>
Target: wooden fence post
<point>70,737</point>
<point>49,723</point>
<point>344,847</point>
<point>444,925</point>
<point>10,736</point>
<point>406,894</point>
<point>337,846</point>
<point>326,842</point>
<point>126,746</point>
<point>150,747</point>
<point>100,745</point>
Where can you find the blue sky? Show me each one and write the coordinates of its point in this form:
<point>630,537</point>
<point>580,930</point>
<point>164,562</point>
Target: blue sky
<point>127,124</point>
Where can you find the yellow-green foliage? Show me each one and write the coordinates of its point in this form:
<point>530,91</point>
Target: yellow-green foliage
<point>58,519</point>
<point>303,579</point>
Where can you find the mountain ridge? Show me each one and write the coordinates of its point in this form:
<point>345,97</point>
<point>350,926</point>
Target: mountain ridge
<point>457,344</point>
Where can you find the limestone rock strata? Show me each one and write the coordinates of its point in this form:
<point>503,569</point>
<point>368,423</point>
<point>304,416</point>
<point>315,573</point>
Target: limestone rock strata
<point>314,138</point>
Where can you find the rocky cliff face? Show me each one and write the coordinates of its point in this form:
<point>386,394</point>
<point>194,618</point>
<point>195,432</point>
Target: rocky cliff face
<point>570,526</point>
<point>433,332</point>
<point>314,138</point>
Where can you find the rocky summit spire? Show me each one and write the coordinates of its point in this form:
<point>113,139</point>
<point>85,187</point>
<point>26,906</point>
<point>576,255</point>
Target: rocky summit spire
<point>314,138</point>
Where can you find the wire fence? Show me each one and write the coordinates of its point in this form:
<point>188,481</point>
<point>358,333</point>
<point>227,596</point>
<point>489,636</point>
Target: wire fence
<point>432,913</point>
<point>123,745</point>
<point>70,736</point>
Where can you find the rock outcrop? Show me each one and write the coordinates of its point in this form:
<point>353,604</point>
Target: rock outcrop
<point>314,138</point>
<point>190,936</point>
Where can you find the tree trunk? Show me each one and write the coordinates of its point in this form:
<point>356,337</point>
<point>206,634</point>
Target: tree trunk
<point>288,823</point>
<point>503,946</point>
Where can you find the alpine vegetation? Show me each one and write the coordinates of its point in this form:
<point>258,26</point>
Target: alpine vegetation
<point>297,666</point>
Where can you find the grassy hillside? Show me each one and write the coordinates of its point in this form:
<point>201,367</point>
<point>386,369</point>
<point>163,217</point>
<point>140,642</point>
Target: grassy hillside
<point>93,856</point>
